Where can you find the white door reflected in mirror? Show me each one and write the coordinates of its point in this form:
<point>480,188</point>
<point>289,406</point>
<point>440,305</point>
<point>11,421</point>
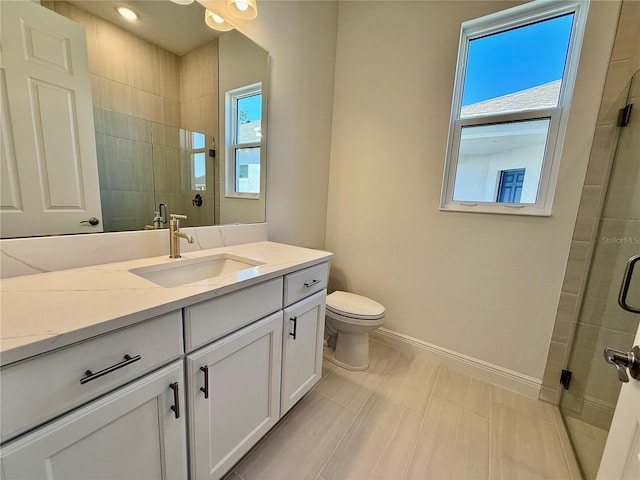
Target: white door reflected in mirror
<point>49,168</point>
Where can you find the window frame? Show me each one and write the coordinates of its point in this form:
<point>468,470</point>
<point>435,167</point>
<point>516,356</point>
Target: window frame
<point>532,12</point>
<point>231,141</point>
<point>191,152</point>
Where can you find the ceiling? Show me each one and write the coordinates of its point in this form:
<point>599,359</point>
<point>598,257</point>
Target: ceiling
<point>176,28</point>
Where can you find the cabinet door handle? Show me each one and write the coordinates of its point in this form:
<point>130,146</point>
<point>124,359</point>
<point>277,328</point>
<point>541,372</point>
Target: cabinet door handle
<point>205,389</point>
<point>312,283</point>
<point>295,327</point>
<point>128,360</point>
<point>176,399</point>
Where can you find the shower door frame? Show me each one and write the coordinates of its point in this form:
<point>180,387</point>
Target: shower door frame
<point>597,246</point>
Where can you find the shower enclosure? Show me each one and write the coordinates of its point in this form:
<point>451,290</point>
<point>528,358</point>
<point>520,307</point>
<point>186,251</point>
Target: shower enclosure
<point>588,404</point>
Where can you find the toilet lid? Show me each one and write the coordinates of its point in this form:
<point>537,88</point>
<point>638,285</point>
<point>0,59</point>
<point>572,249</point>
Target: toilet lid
<point>354,306</point>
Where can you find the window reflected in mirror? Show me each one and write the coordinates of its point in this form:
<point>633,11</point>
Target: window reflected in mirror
<point>244,111</point>
<point>197,161</point>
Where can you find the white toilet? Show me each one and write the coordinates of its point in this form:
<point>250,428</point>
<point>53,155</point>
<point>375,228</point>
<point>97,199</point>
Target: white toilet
<point>348,321</point>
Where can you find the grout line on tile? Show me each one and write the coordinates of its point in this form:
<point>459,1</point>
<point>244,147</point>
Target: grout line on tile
<point>424,418</point>
<point>333,400</point>
<point>565,444</point>
<point>415,445</point>
<point>339,442</point>
<point>468,411</point>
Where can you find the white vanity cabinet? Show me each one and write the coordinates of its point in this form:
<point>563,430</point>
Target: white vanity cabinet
<point>303,335</point>
<point>114,406</point>
<point>240,385</point>
<point>46,386</point>
<point>234,395</point>
<point>136,432</point>
<point>302,343</point>
<point>183,395</point>
<point>233,377</point>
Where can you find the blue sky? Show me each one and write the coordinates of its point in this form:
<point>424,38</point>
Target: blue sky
<point>515,60</point>
<point>252,105</point>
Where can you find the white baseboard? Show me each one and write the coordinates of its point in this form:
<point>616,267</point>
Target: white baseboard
<point>474,367</point>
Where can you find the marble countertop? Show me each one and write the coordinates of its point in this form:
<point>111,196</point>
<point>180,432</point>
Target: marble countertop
<point>43,312</point>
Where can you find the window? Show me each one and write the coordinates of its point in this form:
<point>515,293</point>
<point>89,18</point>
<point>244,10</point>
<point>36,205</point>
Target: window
<point>244,117</point>
<point>197,160</point>
<point>512,92</point>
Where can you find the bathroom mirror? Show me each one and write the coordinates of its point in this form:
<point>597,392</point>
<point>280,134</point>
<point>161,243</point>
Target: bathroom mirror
<point>159,90</point>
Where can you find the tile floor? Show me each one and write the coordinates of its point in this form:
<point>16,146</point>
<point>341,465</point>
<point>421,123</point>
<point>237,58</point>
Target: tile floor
<point>589,444</point>
<point>408,418</point>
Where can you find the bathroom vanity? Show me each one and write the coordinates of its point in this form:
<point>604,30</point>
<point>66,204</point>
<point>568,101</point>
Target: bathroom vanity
<point>108,374</point>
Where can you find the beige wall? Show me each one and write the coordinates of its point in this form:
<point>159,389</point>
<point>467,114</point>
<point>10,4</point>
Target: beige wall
<point>301,39</point>
<point>482,285</point>
<point>242,63</point>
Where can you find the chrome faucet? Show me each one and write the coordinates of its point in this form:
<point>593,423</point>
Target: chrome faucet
<point>175,235</point>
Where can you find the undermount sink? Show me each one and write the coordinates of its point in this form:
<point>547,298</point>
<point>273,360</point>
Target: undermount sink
<point>189,270</point>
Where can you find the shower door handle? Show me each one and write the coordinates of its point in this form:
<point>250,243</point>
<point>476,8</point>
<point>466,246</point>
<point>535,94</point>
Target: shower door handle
<point>623,361</point>
<point>626,282</point>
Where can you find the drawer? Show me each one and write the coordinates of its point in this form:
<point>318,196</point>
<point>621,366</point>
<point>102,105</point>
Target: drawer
<point>37,390</point>
<point>207,321</point>
<point>301,284</point>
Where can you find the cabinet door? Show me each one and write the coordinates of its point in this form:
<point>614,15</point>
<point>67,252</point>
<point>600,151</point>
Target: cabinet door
<point>302,348</point>
<point>234,395</point>
<point>132,433</point>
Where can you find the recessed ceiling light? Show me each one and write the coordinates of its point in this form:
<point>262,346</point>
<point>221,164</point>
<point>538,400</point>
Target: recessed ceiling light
<point>127,13</point>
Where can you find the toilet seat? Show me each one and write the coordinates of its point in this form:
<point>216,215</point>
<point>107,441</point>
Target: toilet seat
<point>350,305</point>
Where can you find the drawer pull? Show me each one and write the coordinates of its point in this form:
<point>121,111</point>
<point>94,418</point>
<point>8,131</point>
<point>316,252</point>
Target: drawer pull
<point>312,283</point>
<point>205,389</point>
<point>128,360</point>
<point>176,399</point>
<point>295,327</point>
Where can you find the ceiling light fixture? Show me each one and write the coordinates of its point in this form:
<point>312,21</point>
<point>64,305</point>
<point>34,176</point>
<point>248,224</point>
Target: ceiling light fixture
<point>243,9</point>
<point>221,19</point>
<point>216,22</point>
<point>127,13</point>
<point>183,2</point>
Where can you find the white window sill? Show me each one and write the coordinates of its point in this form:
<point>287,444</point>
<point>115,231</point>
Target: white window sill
<point>245,196</point>
<point>497,208</point>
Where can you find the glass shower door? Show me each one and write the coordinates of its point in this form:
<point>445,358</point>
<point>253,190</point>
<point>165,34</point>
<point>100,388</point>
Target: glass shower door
<point>588,405</point>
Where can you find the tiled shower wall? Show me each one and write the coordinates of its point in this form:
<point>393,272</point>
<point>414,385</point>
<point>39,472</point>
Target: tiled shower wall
<point>147,162</point>
<point>589,235</point>
<point>136,85</point>
<point>199,113</point>
<point>128,75</point>
<point>198,75</point>
<point>125,170</point>
<point>171,167</point>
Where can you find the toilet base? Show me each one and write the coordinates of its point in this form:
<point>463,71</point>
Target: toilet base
<point>330,356</point>
<point>351,351</point>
